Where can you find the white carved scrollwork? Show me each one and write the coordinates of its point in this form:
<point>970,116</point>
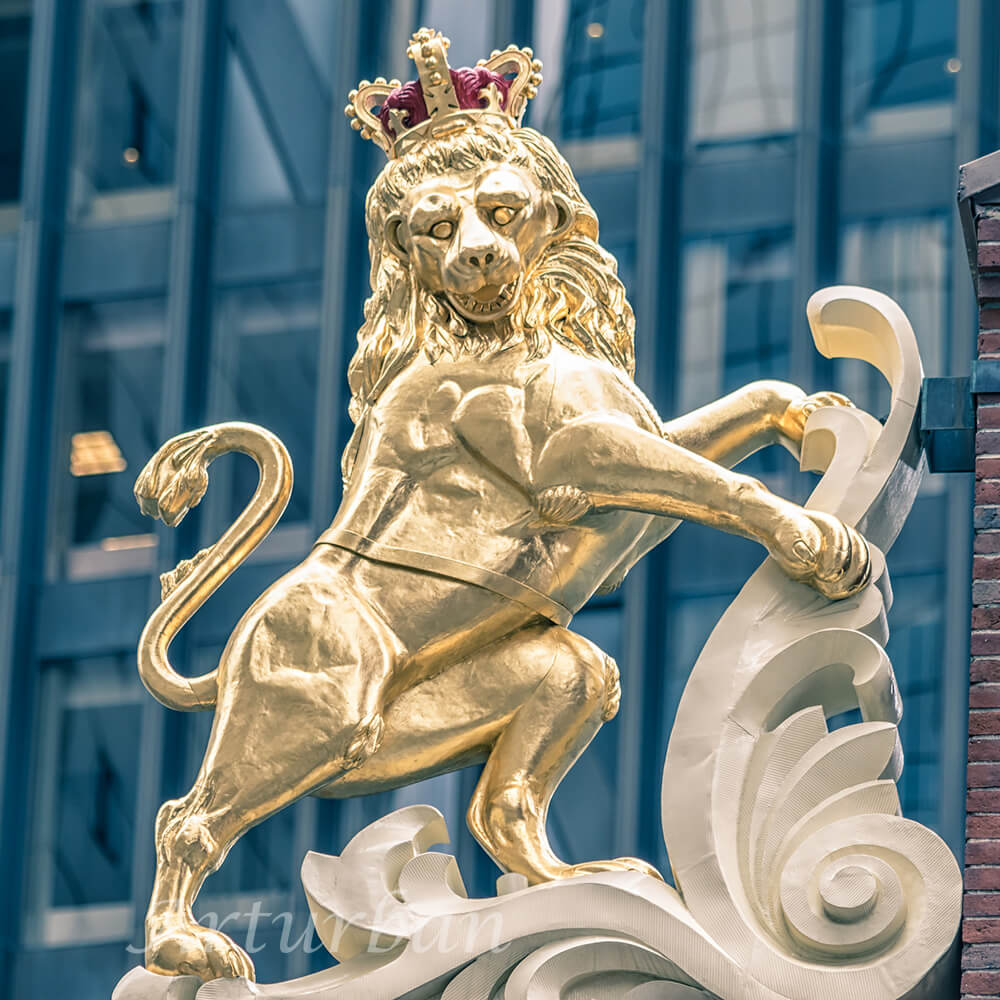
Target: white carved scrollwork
<point>785,838</point>
<point>797,876</point>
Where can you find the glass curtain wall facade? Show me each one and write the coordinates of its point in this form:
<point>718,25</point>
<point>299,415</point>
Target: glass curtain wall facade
<point>182,242</point>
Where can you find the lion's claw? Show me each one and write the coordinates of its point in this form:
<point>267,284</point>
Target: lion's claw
<point>562,504</point>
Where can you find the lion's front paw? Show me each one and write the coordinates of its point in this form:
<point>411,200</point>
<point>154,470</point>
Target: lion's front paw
<point>175,479</point>
<point>828,555</point>
<point>792,423</point>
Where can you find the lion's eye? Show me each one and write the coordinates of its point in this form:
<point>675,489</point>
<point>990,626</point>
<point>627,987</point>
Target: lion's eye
<point>502,215</point>
<point>442,230</point>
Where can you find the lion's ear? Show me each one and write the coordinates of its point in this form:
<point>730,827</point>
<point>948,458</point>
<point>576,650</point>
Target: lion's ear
<point>392,235</point>
<point>565,213</point>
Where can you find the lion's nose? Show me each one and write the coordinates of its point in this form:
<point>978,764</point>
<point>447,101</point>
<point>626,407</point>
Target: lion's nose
<point>479,258</point>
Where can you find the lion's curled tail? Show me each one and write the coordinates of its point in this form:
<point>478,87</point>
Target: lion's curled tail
<point>173,481</point>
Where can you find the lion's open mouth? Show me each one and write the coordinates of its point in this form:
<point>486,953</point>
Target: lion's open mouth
<point>490,302</point>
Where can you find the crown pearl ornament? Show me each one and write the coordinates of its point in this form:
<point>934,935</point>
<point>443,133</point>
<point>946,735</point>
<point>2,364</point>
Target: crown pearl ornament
<point>397,117</point>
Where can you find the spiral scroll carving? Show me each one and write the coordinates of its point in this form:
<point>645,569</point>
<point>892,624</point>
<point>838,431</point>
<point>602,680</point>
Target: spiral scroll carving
<point>836,874</point>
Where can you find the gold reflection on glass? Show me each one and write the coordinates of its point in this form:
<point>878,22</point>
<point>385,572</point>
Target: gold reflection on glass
<point>95,453</point>
<point>121,543</point>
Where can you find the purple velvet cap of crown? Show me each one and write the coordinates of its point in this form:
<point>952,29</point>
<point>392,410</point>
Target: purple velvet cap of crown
<point>467,81</point>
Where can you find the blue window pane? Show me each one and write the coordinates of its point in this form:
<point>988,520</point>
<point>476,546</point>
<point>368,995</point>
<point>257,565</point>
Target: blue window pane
<point>737,297</point>
<point>743,75</point>
<point>265,372</point>
<point>578,831</point>
<point>909,260</point>
<point>737,302</point>
<point>15,42</point>
<point>112,399</point>
<point>278,100</point>
<point>261,860</point>
<point>471,37</point>
<point>79,972</point>
<point>95,783</point>
<point>126,122</point>
<point>899,67</point>
<point>5,321</point>
<point>602,69</point>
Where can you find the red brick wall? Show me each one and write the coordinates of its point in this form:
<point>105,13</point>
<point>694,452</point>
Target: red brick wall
<point>981,926</point>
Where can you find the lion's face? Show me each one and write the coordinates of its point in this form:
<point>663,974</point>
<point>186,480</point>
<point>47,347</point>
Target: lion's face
<point>472,235</point>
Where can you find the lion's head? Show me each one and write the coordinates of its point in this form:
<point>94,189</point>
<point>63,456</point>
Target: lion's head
<point>478,240</point>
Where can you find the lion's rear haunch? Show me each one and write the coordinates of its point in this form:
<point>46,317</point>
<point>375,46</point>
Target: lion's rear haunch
<point>173,481</point>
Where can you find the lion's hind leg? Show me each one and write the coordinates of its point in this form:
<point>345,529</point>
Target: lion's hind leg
<point>299,704</point>
<point>233,793</point>
<point>578,692</point>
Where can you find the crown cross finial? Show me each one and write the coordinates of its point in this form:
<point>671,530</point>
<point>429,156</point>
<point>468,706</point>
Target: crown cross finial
<point>427,51</point>
<point>442,100</point>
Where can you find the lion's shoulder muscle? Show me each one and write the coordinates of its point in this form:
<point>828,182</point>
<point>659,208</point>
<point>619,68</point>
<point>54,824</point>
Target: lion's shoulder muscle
<point>584,386</point>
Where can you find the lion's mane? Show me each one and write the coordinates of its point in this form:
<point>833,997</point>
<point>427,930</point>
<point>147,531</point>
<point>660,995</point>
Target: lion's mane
<point>573,295</point>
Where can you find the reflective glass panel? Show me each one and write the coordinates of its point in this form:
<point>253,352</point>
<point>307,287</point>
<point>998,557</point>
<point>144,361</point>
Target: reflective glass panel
<point>743,74</point>
<point>15,43</point>
<point>276,122</point>
<point>900,62</point>
<point>578,831</point>
<point>264,364</point>
<point>916,648</point>
<point>112,399</point>
<point>601,83</point>
<point>907,259</point>
<point>735,326</point>
<point>262,860</point>
<point>471,37</point>
<point>5,321</point>
<point>99,728</point>
<point>737,293</point>
<point>126,122</point>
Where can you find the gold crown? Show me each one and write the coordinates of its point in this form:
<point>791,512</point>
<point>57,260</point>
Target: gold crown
<point>397,116</point>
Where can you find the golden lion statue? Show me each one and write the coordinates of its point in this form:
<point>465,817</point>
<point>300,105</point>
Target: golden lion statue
<point>503,469</point>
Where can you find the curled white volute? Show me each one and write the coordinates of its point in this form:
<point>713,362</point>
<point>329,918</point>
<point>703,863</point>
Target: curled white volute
<point>478,980</point>
<point>848,321</point>
<point>837,668</point>
<point>353,898</point>
<point>595,966</point>
<point>837,441</point>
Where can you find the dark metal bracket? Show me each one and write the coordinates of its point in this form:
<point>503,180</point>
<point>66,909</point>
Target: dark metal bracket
<point>948,422</point>
<point>948,415</point>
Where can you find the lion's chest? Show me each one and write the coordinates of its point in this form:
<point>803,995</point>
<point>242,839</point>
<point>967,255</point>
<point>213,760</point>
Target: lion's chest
<point>417,419</point>
<point>423,483</point>
<point>417,428</point>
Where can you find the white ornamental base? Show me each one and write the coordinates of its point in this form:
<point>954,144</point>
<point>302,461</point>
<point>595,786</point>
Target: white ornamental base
<point>399,920</point>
